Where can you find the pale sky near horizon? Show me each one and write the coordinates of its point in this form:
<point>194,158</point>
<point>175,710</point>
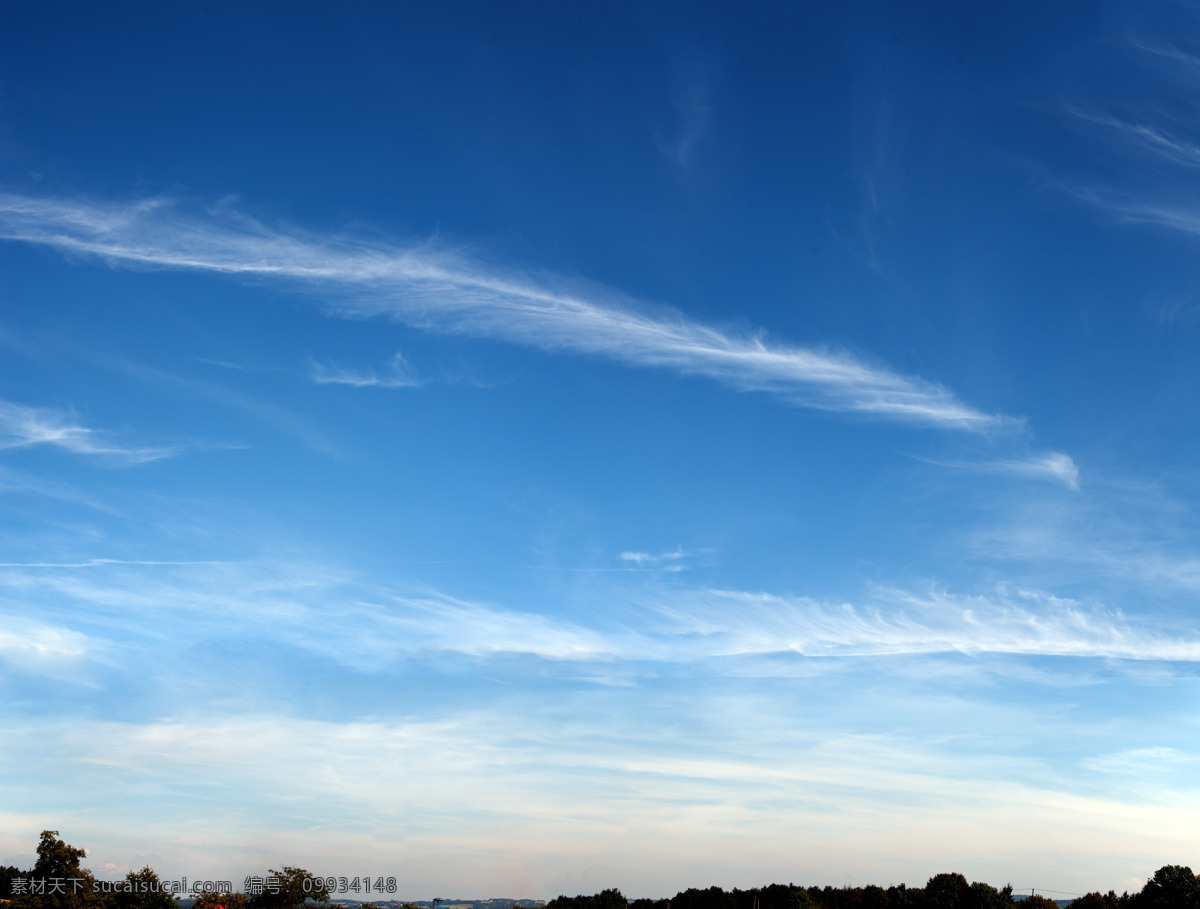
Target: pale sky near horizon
<point>531,448</point>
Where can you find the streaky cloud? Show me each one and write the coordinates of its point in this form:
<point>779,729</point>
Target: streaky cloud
<point>398,375</point>
<point>1146,137</point>
<point>1055,465</point>
<point>668,560</point>
<point>441,290</point>
<point>1168,52</point>
<point>1139,761</point>
<point>1052,465</point>
<point>1184,220</point>
<point>320,610</point>
<point>511,776</point>
<point>24,427</point>
<point>902,622</point>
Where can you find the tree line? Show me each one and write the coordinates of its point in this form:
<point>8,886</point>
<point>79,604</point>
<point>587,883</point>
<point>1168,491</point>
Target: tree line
<point>58,880</point>
<point>1171,887</point>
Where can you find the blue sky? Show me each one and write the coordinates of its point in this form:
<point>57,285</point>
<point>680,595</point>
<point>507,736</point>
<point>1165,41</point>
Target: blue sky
<point>534,448</point>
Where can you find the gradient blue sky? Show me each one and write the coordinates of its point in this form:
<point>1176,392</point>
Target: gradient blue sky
<point>529,448</point>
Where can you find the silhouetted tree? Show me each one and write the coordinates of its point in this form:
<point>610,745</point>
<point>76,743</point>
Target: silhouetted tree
<point>7,873</point>
<point>693,898</point>
<point>901,896</point>
<point>985,896</point>
<point>140,890</point>
<point>57,880</point>
<point>947,891</point>
<point>289,889</point>
<point>605,899</point>
<point>1172,887</point>
<point>1097,900</point>
<point>778,896</point>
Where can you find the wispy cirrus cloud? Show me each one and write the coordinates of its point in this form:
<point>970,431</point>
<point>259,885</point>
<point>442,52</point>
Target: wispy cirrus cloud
<point>325,611</point>
<point>1054,465</point>
<point>1144,136</point>
<point>24,427</point>
<point>1140,761</point>
<point>1178,313</point>
<point>397,375</point>
<point>444,291</point>
<point>1158,130</point>
<point>1137,210</point>
<point>902,622</point>
<point>668,560</point>
<point>1165,50</point>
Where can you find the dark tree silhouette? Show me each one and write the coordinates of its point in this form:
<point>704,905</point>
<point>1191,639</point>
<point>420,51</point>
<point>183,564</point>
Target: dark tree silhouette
<point>1097,900</point>
<point>947,891</point>
<point>61,882</point>
<point>1172,887</point>
<point>142,890</point>
<point>7,873</point>
<point>294,886</point>
<point>605,899</point>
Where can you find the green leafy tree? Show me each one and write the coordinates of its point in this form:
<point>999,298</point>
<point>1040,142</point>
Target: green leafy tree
<point>1172,887</point>
<point>1037,901</point>
<point>290,888</point>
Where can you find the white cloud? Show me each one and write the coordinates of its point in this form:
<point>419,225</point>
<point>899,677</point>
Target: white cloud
<point>476,629</point>
<point>443,291</point>
<point>1167,52</point>
<point>1140,761</point>
<point>1055,465</point>
<point>1123,535</point>
<point>140,605</point>
<point>324,611</point>
<point>669,560</point>
<point>398,375</point>
<point>1178,313</point>
<point>732,623</point>
<point>1145,137</point>
<point>1052,465</point>
<point>25,641</point>
<point>22,427</point>
<point>449,803</point>
<point>1134,211</point>
<point>50,650</point>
